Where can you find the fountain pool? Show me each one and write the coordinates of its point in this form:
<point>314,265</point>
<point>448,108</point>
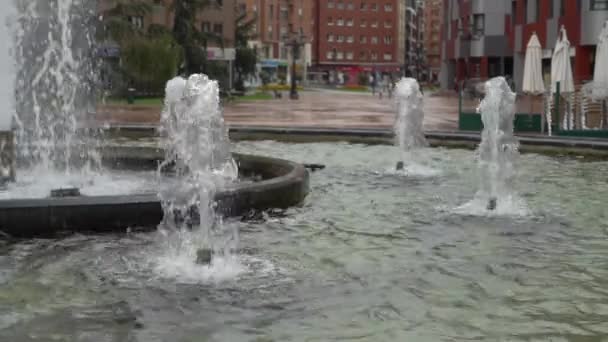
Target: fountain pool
<point>370,256</point>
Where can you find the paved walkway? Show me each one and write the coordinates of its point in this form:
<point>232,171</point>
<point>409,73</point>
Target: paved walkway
<point>319,109</point>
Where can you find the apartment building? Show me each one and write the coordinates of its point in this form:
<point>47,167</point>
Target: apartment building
<point>432,37</point>
<point>278,22</point>
<point>219,18</point>
<point>356,37</point>
<point>475,40</point>
<point>583,20</point>
<point>487,38</point>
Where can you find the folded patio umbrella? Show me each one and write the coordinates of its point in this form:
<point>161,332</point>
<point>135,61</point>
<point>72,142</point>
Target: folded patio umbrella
<point>561,71</point>
<point>599,90</point>
<point>533,69</point>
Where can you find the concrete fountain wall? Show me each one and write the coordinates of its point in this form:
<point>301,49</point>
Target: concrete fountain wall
<point>284,184</point>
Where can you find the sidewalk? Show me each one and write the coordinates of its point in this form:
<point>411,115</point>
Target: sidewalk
<point>320,108</point>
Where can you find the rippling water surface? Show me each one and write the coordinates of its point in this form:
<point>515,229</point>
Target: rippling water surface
<point>372,255</point>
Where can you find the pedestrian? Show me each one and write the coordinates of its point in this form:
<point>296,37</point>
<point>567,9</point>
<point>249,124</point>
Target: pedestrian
<point>372,81</point>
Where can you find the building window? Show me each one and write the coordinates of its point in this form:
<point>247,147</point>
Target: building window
<point>330,4</point>
<point>375,7</point>
<point>349,56</point>
<point>599,5</point>
<point>330,37</point>
<point>218,29</point>
<point>340,39</point>
<point>388,8</point>
<point>388,56</point>
<point>363,6</point>
<point>388,24</point>
<point>362,55</point>
<point>350,39</point>
<point>340,22</point>
<point>350,6</point>
<point>329,55</point>
<point>330,21</point>
<point>340,55</point>
<point>513,12</point>
<point>374,56</point>
<point>363,39</point>
<point>340,5</point>
<point>349,22</point>
<point>375,23</point>
<point>137,21</point>
<point>478,24</point>
<point>374,40</point>
<point>388,40</point>
<point>363,23</point>
<point>206,27</point>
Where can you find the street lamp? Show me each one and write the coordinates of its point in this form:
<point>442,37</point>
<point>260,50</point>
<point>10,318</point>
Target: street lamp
<point>296,42</point>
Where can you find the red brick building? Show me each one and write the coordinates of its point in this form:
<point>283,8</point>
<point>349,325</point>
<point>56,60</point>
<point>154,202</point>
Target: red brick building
<point>432,36</point>
<point>583,20</point>
<point>487,38</point>
<point>276,22</point>
<point>357,37</point>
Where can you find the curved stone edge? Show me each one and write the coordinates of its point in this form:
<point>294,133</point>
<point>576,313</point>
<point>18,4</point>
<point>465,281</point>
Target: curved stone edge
<point>528,144</point>
<point>588,147</point>
<point>26,218</point>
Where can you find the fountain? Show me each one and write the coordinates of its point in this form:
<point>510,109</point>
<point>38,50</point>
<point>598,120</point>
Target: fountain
<point>67,180</point>
<point>497,151</point>
<point>408,127</point>
<point>197,150</point>
<point>7,158</point>
<point>48,92</point>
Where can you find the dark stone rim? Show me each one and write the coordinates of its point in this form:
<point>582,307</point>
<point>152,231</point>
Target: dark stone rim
<point>25,218</point>
<point>529,143</point>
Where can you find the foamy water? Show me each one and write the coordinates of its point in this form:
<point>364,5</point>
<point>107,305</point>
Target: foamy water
<point>38,183</point>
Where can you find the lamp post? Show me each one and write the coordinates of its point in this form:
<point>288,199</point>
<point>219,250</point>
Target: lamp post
<point>296,42</point>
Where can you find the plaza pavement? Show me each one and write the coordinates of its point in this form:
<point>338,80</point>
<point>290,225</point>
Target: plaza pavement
<point>316,108</point>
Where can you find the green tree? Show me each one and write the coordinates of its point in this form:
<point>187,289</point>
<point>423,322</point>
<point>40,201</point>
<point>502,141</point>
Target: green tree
<point>117,21</point>
<point>190,37</point>
<point>246,57</point>
<point>149,62</point>
<point>148,57</point>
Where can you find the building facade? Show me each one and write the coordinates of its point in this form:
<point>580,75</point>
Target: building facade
<point>415,62</point>
<point>278,22</point>
<point>487,38</point>
<point>357,37</point>
<point>219,18</point>
<point>475,40</point>
<point>432,37</point>
<point>583,21</point>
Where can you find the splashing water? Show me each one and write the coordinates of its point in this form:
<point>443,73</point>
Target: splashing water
<point>198,153</point>
<point>408,127</point>
<point>7,67</point>
<point>54,92</point>
<point>497,152</point>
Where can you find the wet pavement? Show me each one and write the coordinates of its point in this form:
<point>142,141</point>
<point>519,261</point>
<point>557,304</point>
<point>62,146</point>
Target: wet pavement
<point>318,109</point>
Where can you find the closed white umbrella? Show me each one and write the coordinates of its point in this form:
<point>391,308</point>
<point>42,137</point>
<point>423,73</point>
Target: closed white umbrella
<point>599,91</point>
<point>561,70</point>
<point>533,70</point>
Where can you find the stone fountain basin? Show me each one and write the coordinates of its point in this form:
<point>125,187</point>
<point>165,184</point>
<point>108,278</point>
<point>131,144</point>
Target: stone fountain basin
<point>283,184</point>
